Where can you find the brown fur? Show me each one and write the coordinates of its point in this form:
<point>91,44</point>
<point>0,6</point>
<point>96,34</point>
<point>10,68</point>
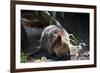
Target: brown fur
<point>60,47</point>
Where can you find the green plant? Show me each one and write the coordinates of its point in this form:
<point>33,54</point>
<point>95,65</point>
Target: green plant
<point>73,39</point>
<point>24,58</point>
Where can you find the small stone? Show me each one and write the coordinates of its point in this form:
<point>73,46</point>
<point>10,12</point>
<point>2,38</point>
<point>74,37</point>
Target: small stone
<point>37,60</point>
<point>43,58</point>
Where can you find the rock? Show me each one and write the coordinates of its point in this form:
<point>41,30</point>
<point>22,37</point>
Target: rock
<point>24,39</point>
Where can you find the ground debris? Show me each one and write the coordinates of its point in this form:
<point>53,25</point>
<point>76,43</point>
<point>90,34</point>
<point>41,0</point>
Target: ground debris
<point>79,54</point>
<point>42,59</point>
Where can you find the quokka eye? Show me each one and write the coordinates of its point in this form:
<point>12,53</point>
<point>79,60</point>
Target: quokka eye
<point>55,31</point>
